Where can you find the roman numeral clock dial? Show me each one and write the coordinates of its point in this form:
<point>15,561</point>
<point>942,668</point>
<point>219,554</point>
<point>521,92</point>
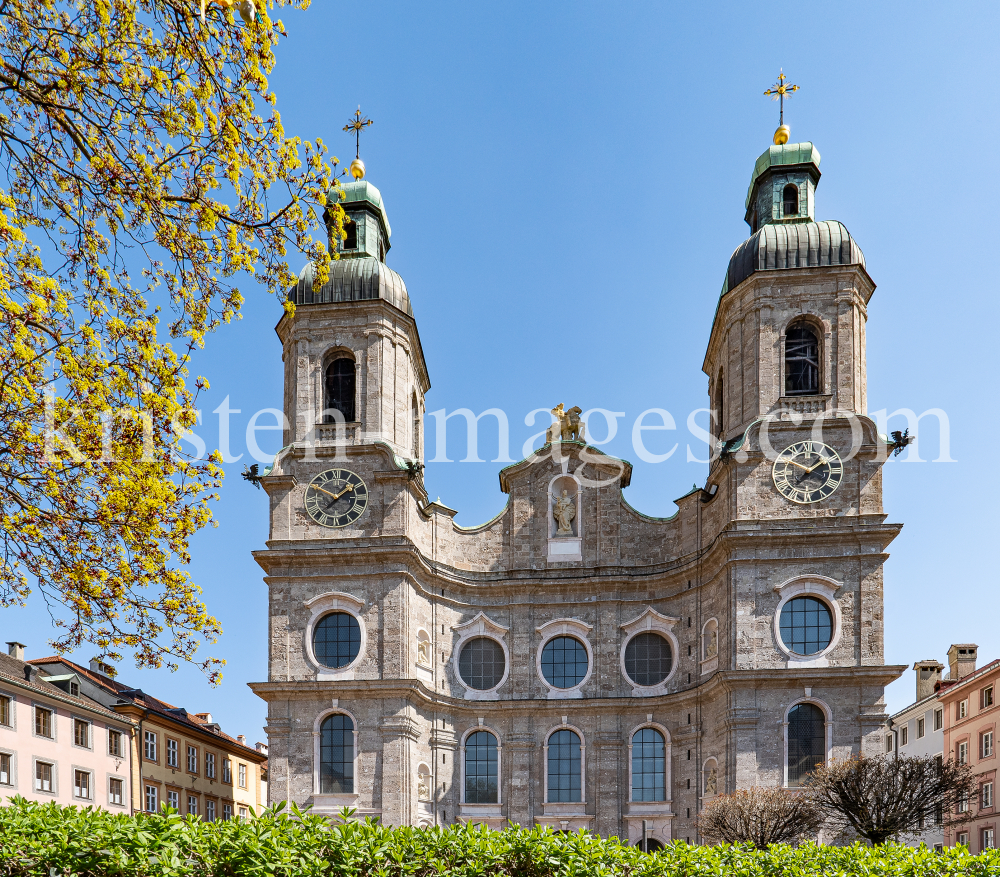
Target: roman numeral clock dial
<point>336,498</point>
<point>807,472</point>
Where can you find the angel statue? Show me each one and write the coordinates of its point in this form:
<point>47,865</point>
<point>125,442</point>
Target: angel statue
<point>712,782</point>
<point>564,512</point>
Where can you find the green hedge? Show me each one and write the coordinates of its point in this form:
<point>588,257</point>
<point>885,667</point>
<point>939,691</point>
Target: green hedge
<point>35,838</point>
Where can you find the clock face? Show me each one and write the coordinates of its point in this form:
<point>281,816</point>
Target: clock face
<point>336,498</point>
<point>807,472</point>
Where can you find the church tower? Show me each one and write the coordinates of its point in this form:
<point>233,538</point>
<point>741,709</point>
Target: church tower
<point>574,662</point>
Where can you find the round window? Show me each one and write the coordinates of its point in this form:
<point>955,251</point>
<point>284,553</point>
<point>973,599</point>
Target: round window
<point>648,659</point>
<point>337,639</point>
<point>806,625</point>
<point>564,662</point>
<point>481,663</point>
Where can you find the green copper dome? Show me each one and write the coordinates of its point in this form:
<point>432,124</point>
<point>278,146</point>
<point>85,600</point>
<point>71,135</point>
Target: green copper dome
<point>778,156</point>
<point>358,192</point>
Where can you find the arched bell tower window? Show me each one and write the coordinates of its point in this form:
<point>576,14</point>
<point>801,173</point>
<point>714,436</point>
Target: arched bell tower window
<point>801,361</point>
<point>806,742</point>
<point>720,403</point>
<point>351,229</point>
<point>790,199</point>
<point>339,387</point>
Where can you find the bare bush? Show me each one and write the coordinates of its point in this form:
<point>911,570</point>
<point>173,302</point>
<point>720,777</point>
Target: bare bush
<point>761,816</point>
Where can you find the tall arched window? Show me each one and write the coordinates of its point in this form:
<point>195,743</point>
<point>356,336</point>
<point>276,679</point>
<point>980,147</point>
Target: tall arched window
<point>649,765</point>
<point>790,200</point>
<point>336,755</point>
<point>339,386</point>
<point>351,230</point>
<point>801,361</point>
<point>564,764</point>
<point>481,784</point>
<point>415,427</point>
<point>806,741</point>
<point>720,404</point>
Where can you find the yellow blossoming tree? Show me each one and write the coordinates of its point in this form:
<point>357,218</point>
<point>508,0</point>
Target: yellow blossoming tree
<point>144,170</point>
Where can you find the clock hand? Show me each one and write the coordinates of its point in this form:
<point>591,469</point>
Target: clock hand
<point>327,492</point>
<point>347,489</point>
<point>822,461</point>
<point>799,465</point>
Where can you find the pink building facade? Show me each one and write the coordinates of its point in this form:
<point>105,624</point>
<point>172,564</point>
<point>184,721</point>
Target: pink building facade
<point>971,715</point>
<point>57,745</point>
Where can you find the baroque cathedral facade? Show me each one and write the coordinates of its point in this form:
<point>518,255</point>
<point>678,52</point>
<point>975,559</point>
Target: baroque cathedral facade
<point>574,662</point>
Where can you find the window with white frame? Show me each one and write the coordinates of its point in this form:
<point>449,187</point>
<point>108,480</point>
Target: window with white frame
<point>116,791</point>
<point>192,759</point>
<point>244,813</point>
<point>227,812</point>
<point>173,755</point>
<point>227,770</point>
<point>986,744</point>
<point>920,728</point>
<point>210,765</point>
<point>904,735</point>
<point>987,796</point>
<point>43,776</point>
<point>988,839</point>
<point>81,784</point>
<point>149,748</point>
<point>151,799</point>
<point>174,800</point>
<point>986,699</point>
<point>963,752</point>
<point>116,745</point>
<point>963,708</point>
<point>210,811</point>
<point>243,776</point>
<point>44,725</point>
<point>6,769</point>
<point>963,804</point>
<point>81,733</point>
<point>962,839</point>
<point>192,805</point>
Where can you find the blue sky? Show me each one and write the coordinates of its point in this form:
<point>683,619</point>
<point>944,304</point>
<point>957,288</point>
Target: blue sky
<point>565,184</point>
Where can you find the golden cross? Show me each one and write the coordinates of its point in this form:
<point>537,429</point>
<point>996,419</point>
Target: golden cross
<point>779,91</point>
<point>357,125</point>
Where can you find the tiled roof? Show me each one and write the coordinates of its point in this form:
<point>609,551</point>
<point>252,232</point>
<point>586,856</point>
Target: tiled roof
<point>153,704</point>
<point>14,670</point>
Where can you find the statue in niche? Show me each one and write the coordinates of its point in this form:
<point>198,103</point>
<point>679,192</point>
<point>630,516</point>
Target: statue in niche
<point>712,782</point>
<point>424,652</point>
<point>564,510</point>
<point>568,426</point>
<point>423,786</point>
<point>712,646</point>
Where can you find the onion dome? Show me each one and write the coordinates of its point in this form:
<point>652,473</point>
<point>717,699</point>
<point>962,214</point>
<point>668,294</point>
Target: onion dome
<point>357,279</point>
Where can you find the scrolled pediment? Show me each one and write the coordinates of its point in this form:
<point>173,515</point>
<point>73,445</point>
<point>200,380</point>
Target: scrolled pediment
<point>650,620</point>
<point>481,624</point>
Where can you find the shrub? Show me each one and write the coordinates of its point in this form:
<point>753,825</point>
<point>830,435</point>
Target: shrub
<point>760,816</point>
<point>35,838</point>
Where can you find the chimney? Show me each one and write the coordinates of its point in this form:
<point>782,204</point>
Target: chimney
<point>241,739</point>
<point>962,660</point>
<point>205,717</point>
<point>261,748</point>
<point>101,668</point>
<point>16,650</point>
<point>928,675</point>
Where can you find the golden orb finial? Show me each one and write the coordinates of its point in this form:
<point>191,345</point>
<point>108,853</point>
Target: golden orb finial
<point>781,135</point>
<point>358,169</point>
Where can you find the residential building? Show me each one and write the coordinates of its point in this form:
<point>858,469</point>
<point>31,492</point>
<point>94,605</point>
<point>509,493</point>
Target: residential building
<point>575,662</point>
<point>971,715</point>
<point>181,759</point>
<point>56,743</point>
<point>918,731</point>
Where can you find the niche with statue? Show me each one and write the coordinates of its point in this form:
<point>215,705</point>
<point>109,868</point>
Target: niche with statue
<point>565,519</point>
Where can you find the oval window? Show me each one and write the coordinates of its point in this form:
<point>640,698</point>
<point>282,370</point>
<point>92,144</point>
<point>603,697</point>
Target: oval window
<point>648,659</point>
<point>564,662</point>
<point>337,639</point>
<point>481,663</point>
<point>806,625</point>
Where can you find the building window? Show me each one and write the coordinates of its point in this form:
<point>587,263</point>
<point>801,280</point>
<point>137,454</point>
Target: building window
<point>920,728</point>
<point>336,755</point>
<point>963,804</point>
<point>963,709</point>
<point>149,745</point>
<point>986,745</point>
<point>337,640</point>
<point>564,663</point>
<point>987,796</point>
<point>649,765</point>
<point>74,689</point>
<point>806,625</point>
<point>481,768</point>
<point>81,733</point>
<point>173,755</point>
<point>227,812</point>
<point>227,770</point>
<point>963,752</point>
<point>243,814</point>
<point>720,406</point>
<point>6,773</point>
<point>192,759</point>
<point>482,664</point>
<point>564,767</point>
<point>415,428</point>
<point>351,230</point>
<point>174,800</point>
<point>340,375</point>
<point>938,719</point>
<point>6,710</point>
<point>963,839</point>
<point>210,811</point>
<point>43,776</point>
<point>81,784</point>
<point>801,361</point>
<point>116,790</point>
<point>988,839</point>
<point>790,200</point>
<point>806,741</point>
<point>904,734</point>
<point>987,698</point>
<point>193,805</point>
<point>210,765</point>
<point>43,722</point>
<point>243,776</point>
<point>888,743</point>
<point>151,796</point>
<point>648,659</point>
<point>115,743</point>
